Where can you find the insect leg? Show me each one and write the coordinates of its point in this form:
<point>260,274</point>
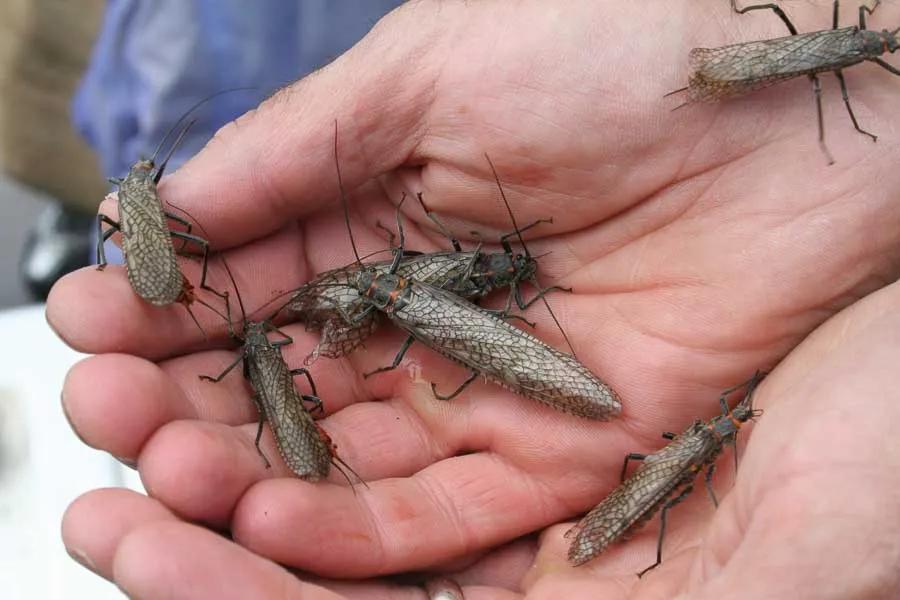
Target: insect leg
<point>662,526</point>
<point>218,378</point>
<point>314,397</point>
<point>458,390</point>
<point>775,8</point>
<point>262,419</point>
<point>504,314</point>
<point>840,77</point>
<point>312,384</point>
<point>104,235</point>
<point>436,221</point>
<point>505,244</point>
<point>516,292</point>
<point>668,435</point>
<point>817,92</point>
<point>541,293</point>
<point>886,65</point>
<point>707,479</point>
<point>185,222</point>
<point>397,359</point>
<point>750,384</point>
<point>630,456</point>
<point>863,9</point>
<point>398,255</point>
<point>187,237</point>
<point>316,402</point>
<point>287,339</point>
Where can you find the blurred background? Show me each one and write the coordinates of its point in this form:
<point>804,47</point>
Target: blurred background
<point>86,89</point>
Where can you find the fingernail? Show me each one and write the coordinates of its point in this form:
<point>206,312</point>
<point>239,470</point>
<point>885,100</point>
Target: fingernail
<point>62,401</point>
<point>50,322</point>
<point>82,558</point>
<point>128,462</point>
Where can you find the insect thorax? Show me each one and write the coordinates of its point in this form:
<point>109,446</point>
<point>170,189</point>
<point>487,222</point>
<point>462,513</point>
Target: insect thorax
<point>381,290</point>
<point>875,43</point>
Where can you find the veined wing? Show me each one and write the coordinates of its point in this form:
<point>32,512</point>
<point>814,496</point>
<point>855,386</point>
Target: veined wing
<point>638,497</point>
<point>503,353</point>
<point>299,443</point>
<point>740,68</point>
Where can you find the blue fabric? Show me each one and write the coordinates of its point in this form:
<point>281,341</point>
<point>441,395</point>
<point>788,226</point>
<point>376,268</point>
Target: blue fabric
<point>155,58</point>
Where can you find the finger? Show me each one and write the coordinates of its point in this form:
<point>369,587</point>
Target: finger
<point>83,305</point>
<point>177,560</point>
<point>457,506</point>
<point>399,437</point>
<point>277,162</point>
<point>129,538</point>
<point>202,470</point>
<point>114,402</point>
<point>95,522</point>
<point>504,567</point>
<point>794,460</point>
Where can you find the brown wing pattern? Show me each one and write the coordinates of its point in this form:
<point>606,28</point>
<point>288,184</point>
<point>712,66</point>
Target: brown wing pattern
<point>638,497</point>
<point>718,73</point>
<point>146,243</point>
<point>299,443</point>
<point>323,302</point>
<point>504,354</point>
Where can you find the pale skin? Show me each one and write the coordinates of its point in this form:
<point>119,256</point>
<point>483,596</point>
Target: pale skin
<point>701,244</point>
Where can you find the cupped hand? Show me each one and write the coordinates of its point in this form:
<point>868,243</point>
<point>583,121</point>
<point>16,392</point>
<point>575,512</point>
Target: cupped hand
<point>701,244</point>
<point>812,512</point>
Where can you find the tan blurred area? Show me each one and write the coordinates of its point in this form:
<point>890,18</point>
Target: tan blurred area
<point>44,49</point>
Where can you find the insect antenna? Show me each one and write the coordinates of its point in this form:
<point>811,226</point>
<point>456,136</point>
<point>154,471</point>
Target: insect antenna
<point>178,140</point>
<point>678,91</point>
<point>337,166</point>
<point>747,401</point>
<point>340,465</point>
<point>196,322</point>
<point>230,276</point>
<point>673,92</point>
<point>181,119</point>
<point>239,299</point>
<point>534,279</point>
<point>336,460</point>
<point>210,307</point>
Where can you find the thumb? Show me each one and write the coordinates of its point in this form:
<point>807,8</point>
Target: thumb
<point>276,162</point>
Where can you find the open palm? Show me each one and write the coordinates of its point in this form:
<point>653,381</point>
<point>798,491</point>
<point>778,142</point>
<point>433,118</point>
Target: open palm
<point>701,245</point>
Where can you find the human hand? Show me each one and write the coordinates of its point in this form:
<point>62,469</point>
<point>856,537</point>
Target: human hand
<point>813,512</point>
<point>701,245</point>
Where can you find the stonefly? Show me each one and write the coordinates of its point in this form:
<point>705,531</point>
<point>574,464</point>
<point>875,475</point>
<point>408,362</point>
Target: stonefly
<point>719,73</point>
<point>478,339</point>
<point>666,473</point>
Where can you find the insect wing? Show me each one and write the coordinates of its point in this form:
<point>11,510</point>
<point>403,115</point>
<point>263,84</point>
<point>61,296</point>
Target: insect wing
<point>294,429</point>
<point>505,354</point>
<point>734,70</point>
<point>340,339</point>
<point>146,243</point>
<point>636,499</point>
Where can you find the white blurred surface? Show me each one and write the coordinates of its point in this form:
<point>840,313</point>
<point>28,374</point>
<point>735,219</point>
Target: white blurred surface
<point>43,465</point>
